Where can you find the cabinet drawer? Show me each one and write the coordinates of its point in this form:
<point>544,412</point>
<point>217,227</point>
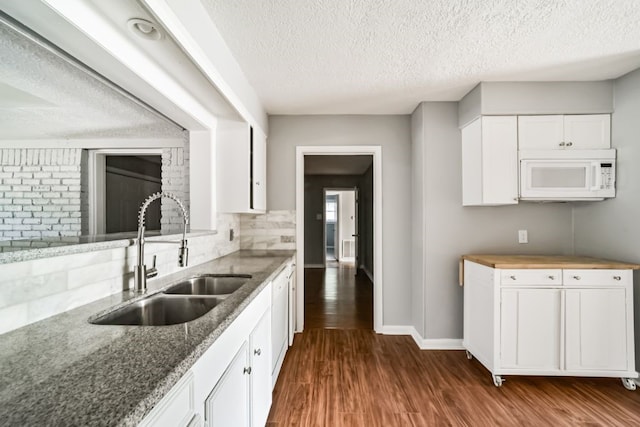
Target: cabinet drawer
<point>547,277</point>
<point>596,277</point>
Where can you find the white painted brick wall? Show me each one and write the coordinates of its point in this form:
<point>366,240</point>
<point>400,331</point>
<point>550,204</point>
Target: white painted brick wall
<point>175,179</point>
<point>34,183</point>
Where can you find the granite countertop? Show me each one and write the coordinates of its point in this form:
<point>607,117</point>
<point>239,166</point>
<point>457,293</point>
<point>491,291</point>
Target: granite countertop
<point>547,261</point>
<point>65,371</point>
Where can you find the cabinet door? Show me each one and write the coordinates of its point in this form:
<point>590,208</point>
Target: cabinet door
<point>259,164</point>
<point>490,162</point>
<point>592,131</point>
<point>279,327</point>
<point>292,304</point>
<point>176,408</point>
<point>228,403</point>
<point>596,329</point>
<point>260,355</point>
<point>530,329</point>
<point>540,132</point>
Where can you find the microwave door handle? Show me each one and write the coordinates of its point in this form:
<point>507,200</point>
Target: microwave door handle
<point>596,177</point>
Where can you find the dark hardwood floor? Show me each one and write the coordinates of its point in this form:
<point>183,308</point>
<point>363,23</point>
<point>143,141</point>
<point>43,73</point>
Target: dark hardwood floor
<point>350,376</point>
<point>337,298</point>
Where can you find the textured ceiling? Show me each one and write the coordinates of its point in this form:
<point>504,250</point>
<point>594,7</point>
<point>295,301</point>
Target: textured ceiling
<point>385,56</point>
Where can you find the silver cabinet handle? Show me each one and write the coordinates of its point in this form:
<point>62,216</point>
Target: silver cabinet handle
<point>562,144</point>
<point>617,278</point>
<point>257,352</point>
<point>552,277</point>
<point>247,370</point>
<point>569,144</point>
<point>576,277</point>
<point>512,277</point>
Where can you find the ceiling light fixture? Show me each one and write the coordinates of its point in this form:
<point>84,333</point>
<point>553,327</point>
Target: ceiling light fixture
<point>144,28</point>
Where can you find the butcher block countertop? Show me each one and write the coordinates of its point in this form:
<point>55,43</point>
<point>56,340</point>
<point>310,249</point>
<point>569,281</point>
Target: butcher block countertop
<point>548,261</point>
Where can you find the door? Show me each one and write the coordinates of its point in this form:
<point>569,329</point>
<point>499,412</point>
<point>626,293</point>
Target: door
<point>228,403</point>
<point>530,329</point>
<point>540,132</point>
<point>356,234</point>
<point>259,170</point>
<point>596,329</point>
<point>588,131</point>
<point>292,303</point>
<point>279,327</point>
<point>260,370</point>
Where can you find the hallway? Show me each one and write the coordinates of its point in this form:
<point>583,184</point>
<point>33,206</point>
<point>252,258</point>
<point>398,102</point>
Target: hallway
<point>337,298</point>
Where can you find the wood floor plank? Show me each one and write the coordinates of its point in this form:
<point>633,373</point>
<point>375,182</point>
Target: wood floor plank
<point>354,377</point>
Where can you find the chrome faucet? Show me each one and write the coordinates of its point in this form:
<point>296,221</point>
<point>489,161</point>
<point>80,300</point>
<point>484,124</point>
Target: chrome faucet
<point>140,272</point>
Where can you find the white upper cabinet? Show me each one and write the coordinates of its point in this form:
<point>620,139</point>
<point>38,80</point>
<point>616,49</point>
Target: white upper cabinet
<point>241,159</point>
<point>558,132</point>
<point>490,161</point>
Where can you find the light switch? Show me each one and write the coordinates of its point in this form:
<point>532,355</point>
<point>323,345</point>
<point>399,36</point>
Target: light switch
<point>319,217</point>
<point>523,236</point>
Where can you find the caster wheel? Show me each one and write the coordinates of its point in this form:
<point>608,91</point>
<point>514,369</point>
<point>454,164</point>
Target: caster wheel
<point>469,355</point>
<point>629,383</point>
<point>497,380</point>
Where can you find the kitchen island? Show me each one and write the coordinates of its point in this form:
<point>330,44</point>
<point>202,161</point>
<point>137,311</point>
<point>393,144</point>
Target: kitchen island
<point>65,371</point>
<point>549,315</point>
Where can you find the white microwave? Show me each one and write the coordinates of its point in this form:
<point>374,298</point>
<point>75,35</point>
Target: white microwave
<point>567,175</point>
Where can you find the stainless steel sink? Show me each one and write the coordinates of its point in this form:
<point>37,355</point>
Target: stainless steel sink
<point>160,310</point>
<point>209,284</point>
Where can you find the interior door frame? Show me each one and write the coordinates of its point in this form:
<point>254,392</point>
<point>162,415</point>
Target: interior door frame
<point>341,150</point>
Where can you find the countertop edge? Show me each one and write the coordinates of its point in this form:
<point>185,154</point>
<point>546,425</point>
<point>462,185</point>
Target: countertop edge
<point>547,261</point>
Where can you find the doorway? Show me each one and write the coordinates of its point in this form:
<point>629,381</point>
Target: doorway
<point>340,226</point>
<point>335,291</point>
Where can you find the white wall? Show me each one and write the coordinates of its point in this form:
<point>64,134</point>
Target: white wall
<point>347,219</point>
<point>451,230</point>
<point>392,133</point>
<point>610,229</point>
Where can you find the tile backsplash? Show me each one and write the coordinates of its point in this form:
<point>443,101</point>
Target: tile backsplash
<point>272,230</point>
<point>37,289</point>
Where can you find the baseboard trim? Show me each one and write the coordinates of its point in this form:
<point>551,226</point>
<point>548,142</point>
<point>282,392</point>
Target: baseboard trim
<point>422,343</point>
<point>314,266</point>
<point>396,330</point>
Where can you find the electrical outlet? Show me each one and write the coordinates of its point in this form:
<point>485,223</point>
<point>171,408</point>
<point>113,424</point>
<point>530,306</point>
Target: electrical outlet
<point>523,236</point>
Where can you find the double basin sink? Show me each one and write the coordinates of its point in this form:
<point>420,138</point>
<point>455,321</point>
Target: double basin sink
<point>182,302</point>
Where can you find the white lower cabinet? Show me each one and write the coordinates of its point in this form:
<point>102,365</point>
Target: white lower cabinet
<point>279,322</point>
<point>228,403</point>
<point>530,329</point>
<point>573,322</point>
<point>596,329</point>
<point>176,409</point>
<point>260,355</point>
<point>230,384</point>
